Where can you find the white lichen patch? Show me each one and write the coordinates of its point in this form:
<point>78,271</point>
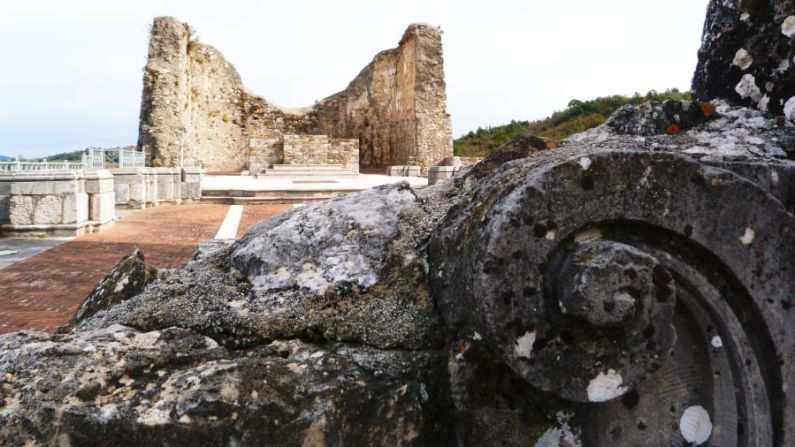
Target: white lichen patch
<point>743,59</point>
<point>695,425</point>
<point>146,340</point>
<point>523,346</point>
<point>747,88</point>
<point>745,17</point>
<point>716,342</point>
<point>562,435</point>
<point>606,386</point>
<point>774,176</point>
<point>126,380</point>
<point>788,26</point>
<point>229,393</point>
<point>748,236</point>
<point>789,109</point>
<point>122,282</point>
<point>550,235</point>
<point>154,416</point>
<point>763,103</point>
<point>585,163</point>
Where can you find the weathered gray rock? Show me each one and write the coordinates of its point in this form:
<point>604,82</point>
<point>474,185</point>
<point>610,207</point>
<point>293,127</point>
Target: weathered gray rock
<point>127,279</point>
<point>119,386</point>
<point>746,55</point>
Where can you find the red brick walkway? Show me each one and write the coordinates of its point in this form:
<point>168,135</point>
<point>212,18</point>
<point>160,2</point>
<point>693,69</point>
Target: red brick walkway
<point>42,292</point>
<point>255,213</point>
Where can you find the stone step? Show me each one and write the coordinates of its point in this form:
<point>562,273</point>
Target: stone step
<point>246,198</point>
<point>308,170</point>
<point>306,166</point>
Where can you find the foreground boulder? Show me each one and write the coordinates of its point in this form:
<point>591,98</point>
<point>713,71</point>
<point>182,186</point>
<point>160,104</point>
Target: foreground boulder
<point>128,278</point>
<point>627,288</point>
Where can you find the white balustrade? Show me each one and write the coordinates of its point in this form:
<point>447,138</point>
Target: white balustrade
<point>92,159</point>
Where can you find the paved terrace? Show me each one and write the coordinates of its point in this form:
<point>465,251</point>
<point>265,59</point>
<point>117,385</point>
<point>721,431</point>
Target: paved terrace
<point>244,189</point>
<point>41,291</point>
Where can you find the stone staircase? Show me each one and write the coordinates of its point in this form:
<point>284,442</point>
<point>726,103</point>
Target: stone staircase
<point>311,170</point>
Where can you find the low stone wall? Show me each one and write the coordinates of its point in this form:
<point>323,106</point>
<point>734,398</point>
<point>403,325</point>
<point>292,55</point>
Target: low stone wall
<point>145,187</point>
<point>403,171</point>
<point>101,199</point>
<point>191,183</point>
<point>71,203</point>
<point>55,203</point>
<point>306,150</point>
<point>441,173</point>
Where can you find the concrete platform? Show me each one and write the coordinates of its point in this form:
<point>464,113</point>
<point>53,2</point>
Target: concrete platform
<point>238,189</point>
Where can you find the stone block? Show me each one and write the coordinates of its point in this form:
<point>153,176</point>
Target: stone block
<point>441,173</point>
<point>48,210</point>
<point>122,193</point>
<point>20,210</point>
<point>403,171</point>
<point>45,186</point>
<point>99,181</point>
<point>102,207</point>
<point>137,193</point>
<point>75,208</point>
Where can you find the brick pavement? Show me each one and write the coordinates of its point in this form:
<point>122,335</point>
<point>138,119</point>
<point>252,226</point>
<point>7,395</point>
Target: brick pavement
<point>42,292</point>
<point>255,213</point>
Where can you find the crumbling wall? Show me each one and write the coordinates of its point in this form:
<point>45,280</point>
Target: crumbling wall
<point>195,110</point>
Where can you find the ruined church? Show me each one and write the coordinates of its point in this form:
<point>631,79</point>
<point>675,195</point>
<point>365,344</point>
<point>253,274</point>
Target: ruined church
<point>195,110</point>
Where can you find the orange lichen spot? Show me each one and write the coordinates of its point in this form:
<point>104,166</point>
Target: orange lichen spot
<point>707,108</point>
<point>462,347</point>
<point>673,128</point>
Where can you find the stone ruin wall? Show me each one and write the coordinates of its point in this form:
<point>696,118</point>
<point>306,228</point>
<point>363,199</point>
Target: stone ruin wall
<point>195,106</point>
<point>320,149</point>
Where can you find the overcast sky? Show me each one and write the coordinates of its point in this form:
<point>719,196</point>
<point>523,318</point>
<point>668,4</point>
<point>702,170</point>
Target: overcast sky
<point>72,70</point>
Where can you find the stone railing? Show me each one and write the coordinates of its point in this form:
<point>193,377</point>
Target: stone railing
<point>92,159</point>
<point>40,166</point>
<point>131,159</point>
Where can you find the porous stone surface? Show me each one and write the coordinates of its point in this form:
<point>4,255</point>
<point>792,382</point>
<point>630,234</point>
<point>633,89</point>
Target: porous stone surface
<point>318,150</point>
<point>120,386</point>
<point>195,108</point>
<point>127,279</point>
<point>747,55</point>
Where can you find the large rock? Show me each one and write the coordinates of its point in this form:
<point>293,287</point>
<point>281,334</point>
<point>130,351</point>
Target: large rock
<point>119,386</point>
<point>746,55</point>
<point>127,279</point>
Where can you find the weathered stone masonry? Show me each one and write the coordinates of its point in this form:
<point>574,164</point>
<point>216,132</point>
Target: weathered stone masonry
<point>195,110</point>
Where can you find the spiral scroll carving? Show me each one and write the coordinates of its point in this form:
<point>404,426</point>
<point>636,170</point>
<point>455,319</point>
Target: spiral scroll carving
<point>647,283</point>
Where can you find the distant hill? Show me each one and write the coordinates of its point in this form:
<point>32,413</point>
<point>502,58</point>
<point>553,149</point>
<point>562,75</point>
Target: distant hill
<point>578,116</point>
<point>4,158</point>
